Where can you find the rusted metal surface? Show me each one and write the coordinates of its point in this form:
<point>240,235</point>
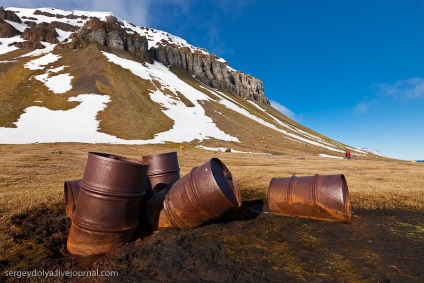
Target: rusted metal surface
<point>108,203</point>
<point>163,170</point>
<point>154,208</point>
<point>324,197</point>
<point>200,197</point>
<point>71,190</point>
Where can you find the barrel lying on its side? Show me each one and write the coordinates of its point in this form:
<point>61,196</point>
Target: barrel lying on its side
<point>324,197</point>
<point>200,197</point>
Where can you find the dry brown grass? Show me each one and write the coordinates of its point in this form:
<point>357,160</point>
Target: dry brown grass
<point>33,175</point>
<point>92,73</point>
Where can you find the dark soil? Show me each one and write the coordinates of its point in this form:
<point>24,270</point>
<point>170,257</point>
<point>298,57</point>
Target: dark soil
<point>246,246</point>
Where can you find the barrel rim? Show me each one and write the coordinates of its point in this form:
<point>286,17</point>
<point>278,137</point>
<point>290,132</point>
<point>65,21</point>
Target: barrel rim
<point>235,190</point>
<point>162,172</point>
<point>109,157</point>
<point>346,197</point>
<point>160,154</point>
<point>162,162</point>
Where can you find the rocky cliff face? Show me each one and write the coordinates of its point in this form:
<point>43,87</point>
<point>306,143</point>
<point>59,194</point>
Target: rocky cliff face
<point>209,70</point>
<point>111,33</point>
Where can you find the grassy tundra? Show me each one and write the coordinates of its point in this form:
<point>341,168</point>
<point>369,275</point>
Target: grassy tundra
<point>32,178</point>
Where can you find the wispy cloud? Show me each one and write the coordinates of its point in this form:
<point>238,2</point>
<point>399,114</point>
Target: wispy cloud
<point>135,11</point>
<point>156,13</point>
<point>363,107</point>
<point>283,109</point>
<point>404,90</point>
<point>202,18</point>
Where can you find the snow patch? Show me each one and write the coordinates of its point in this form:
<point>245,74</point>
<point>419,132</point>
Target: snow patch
<point>40,124</point>
<point>40,63</point>
<point>57,84</point>
<point>231,105</point>
<point>190,123</point>
<point>19,26</point>
<point>4,46</point>
<point>38,52</point>
<point>329,156</point>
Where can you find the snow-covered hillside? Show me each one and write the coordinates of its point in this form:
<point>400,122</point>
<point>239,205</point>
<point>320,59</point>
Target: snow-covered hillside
<point>153,35</point>
<point>39,124</point>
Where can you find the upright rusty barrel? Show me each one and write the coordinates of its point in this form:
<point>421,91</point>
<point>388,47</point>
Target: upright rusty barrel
<point>108,203</point>
<point>197,198</point>
<point>324,197</point>
<point>163,169</point>
<point>71,190</point>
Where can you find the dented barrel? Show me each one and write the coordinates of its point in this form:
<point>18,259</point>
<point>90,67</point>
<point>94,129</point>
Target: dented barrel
<point>324,197</point>
<point>200,197</point>
<point>163,170</point>
<point>108,203</point>
<point>71,191</point>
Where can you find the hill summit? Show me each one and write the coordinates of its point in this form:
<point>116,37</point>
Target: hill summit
<point>79,76</point>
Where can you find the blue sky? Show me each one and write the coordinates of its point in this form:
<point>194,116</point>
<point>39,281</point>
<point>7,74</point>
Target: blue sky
<point>351,70</point>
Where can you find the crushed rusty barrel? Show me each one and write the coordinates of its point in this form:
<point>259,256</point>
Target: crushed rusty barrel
<point>163,170</point>
<point>198,198</point>
<point>71,190</point>
<point>108,203</point>
<point>324,197</point>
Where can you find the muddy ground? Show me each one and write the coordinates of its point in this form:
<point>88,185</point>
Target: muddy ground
<point>245,246</point>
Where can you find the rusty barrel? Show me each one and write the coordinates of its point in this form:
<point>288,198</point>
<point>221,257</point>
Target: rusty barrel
<point>108,203</point>
<point>200,197</point>
<point>163,169</point>
<point>71,190</point>
<point>324,197</point>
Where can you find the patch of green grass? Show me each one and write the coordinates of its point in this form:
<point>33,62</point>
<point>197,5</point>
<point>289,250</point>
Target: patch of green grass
<point>277,255</point>
<point>409,230</point>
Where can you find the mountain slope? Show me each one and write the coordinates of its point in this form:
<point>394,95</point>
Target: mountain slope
<point>108,81</point>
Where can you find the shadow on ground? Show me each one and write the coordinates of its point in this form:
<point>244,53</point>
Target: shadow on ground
<point>247,245</point>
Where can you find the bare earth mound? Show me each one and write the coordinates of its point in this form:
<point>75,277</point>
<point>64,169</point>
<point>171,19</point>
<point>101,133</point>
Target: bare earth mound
<point>378,246</point>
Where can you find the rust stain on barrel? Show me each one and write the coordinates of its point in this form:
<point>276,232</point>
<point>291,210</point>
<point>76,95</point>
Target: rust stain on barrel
<point>324,197</point>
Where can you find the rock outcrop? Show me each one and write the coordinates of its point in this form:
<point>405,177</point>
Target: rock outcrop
<point>64,26</point>
<point>110,33</point>
<point>73,42</point>
<point>29,44</point>
<point>41,32</point>
<point>7,30</point>
<point>207,68</point>
<point>9,15</point>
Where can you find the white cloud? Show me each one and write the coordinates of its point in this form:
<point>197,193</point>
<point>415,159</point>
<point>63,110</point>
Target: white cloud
<point>406,90</point>
<point>283,109</point>
<point>362,107</point>
<point>135,11</point>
